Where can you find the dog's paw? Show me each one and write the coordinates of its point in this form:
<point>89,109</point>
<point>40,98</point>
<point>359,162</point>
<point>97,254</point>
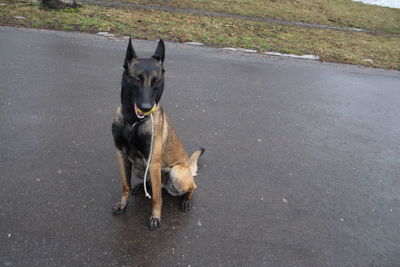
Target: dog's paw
<point>154,223</point>
<point>186,204</point>
<point>119,209</point>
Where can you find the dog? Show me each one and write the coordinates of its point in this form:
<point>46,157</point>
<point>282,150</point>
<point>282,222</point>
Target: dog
<point>145,138</point>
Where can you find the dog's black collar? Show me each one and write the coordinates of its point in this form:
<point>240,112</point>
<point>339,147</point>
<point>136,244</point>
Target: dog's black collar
<point>136,123</point>
<point>132,122</point>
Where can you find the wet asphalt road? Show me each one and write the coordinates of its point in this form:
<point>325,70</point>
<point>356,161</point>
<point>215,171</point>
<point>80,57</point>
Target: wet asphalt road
<point>301,165</point>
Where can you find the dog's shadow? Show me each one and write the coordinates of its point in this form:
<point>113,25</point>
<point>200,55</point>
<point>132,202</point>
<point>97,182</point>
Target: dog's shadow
<point>139,209</point>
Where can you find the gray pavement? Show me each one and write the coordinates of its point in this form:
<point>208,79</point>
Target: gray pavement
<point>301,165</point>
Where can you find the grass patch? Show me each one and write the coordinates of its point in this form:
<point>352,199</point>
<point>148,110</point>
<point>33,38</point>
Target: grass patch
<point>330,45</point>
<point>343,13</point>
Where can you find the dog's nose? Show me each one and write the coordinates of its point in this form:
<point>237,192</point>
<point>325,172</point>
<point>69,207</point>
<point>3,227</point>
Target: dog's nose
<point>145,107</point>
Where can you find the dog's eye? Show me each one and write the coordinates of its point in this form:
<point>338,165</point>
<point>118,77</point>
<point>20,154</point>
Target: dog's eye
<point>139,79</point>
<point>153,81</point>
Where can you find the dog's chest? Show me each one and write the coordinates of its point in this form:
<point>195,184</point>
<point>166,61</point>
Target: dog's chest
<point>133,140</point>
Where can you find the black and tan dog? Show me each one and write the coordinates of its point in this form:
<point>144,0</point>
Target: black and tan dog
<point>141,129</point>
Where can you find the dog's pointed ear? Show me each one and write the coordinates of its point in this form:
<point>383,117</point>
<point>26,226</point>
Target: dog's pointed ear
<point>160,52</point>
<point>130,54</point>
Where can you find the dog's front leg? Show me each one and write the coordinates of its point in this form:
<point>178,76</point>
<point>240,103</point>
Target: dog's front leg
<point>125,168</point>
<point>155,173</point>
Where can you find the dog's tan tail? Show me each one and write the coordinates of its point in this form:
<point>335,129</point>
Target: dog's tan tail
<point>193,160</point>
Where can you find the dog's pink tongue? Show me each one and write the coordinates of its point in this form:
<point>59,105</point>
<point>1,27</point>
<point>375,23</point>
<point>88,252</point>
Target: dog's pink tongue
<point>138,113</point>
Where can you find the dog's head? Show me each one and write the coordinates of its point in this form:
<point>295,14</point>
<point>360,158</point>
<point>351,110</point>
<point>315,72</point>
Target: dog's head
<point>143,80</point>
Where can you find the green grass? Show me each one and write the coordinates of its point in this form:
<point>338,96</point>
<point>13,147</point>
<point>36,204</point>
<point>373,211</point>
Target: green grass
<point>330,45</point>
<point>343,13</point>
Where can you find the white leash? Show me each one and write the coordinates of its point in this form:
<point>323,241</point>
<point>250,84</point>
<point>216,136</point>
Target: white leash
<point>149,159</point>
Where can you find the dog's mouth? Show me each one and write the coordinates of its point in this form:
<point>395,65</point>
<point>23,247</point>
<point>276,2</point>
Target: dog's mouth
<point>141,114</point>
<point>138,112</point>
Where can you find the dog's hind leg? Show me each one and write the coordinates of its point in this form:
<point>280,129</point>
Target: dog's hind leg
<point>182,184</point>
<point>125,168</point>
